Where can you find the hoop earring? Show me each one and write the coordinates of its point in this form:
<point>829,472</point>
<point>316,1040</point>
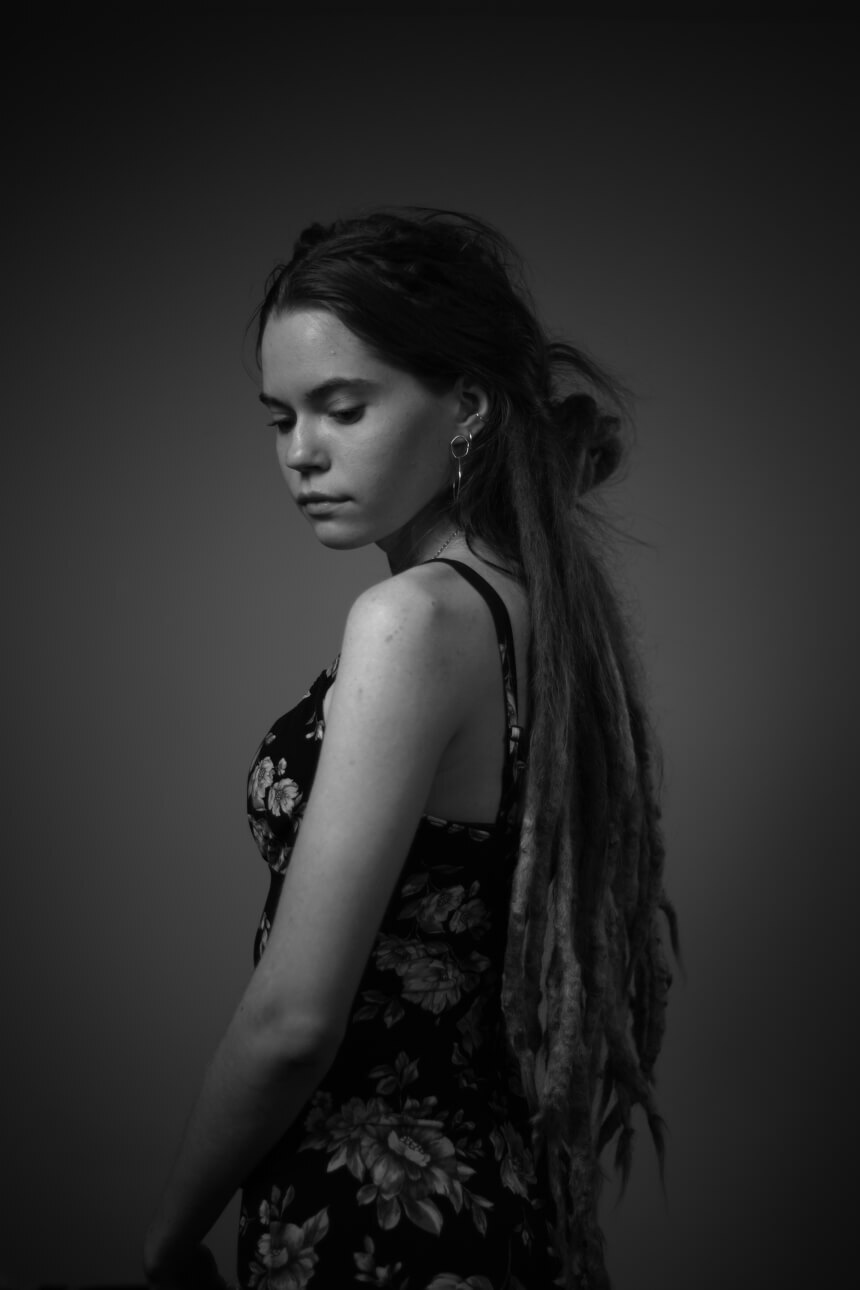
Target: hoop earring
<point>458,454</point>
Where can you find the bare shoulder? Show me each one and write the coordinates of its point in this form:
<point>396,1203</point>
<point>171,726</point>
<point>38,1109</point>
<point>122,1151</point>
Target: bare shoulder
<point>405,633</point>
<point>426,611</point>
<point>412,610</point>
<point>436,587</point>
<point>426,626</point>
<point>467,617</point>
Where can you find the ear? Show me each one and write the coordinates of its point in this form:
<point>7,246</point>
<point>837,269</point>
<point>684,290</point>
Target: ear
<point>468,398</point>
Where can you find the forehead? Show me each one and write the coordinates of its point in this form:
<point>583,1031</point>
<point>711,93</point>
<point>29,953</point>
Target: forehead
<point>312,344</point>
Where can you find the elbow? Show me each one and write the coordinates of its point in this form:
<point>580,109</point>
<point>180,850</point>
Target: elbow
<point>284,1040</point>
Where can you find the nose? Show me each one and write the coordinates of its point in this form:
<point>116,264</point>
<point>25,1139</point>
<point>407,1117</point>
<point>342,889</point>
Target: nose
<point>301,447</point>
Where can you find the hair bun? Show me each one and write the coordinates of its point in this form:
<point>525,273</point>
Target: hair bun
<point>592,434</point>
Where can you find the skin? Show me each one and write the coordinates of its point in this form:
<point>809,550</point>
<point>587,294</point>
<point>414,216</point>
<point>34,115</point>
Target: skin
<point>413,676</point>
<point>386,448</point>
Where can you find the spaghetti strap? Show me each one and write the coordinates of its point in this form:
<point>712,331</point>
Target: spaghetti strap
<point>501,617</point>
<point>505,637</point>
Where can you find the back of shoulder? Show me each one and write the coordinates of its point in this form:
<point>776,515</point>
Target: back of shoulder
<point>403,650</point>
<point>408,594</point>
<point>414,613</point>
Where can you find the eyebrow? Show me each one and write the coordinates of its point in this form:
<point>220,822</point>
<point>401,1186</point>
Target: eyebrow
<point>334,385</point>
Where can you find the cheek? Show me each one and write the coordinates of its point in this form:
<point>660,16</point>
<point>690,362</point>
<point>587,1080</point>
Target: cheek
<point>418,449</point>
<point>402,460</point>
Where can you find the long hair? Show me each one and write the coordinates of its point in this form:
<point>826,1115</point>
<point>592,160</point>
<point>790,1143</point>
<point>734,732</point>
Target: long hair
<point>441,294</point>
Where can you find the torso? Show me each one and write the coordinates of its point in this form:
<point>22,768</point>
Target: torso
<point>467,785</point>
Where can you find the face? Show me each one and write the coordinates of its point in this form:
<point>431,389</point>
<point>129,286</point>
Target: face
<point>349,426</point>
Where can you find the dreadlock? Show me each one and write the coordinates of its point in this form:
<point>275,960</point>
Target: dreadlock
<point>438,294</point>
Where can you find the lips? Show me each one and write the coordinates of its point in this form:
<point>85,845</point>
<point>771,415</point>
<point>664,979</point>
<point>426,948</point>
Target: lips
<point>320,507</point>
<point>310,499</point>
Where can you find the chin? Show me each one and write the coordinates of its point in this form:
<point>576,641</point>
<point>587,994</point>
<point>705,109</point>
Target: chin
<point>342,541</point>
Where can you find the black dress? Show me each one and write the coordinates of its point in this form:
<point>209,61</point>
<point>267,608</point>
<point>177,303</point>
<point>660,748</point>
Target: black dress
<point>409,1168</point>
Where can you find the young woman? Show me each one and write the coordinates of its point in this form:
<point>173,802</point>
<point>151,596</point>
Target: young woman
<point>460,817</point>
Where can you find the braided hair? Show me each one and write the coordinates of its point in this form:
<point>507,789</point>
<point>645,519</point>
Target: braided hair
<point>439,294</point>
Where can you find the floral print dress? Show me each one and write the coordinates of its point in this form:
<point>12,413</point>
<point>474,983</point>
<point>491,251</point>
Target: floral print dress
<point>409,1168</point>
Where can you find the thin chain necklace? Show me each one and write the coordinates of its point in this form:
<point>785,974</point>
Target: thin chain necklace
<point>445,543</point>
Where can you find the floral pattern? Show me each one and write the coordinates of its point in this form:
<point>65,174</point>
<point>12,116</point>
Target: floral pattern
<point>410,1167</point>
<point>286,1254</point>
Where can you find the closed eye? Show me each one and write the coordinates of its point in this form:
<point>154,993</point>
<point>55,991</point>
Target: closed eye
<point>343,416</point>
<point>347,416</point>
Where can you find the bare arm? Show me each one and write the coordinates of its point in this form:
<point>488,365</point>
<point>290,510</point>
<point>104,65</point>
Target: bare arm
<point>251,1093</point>
<point>394,710</point>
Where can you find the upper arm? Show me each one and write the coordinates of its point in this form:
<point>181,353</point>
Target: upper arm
<point>394,709</point>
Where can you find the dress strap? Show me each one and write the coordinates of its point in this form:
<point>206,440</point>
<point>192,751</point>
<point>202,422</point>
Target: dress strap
<point>504,634</point>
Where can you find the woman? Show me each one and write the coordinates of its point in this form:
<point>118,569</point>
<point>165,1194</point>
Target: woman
<point>376,1094</point>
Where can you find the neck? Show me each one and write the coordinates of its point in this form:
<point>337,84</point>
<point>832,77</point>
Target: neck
<point>420,539</point>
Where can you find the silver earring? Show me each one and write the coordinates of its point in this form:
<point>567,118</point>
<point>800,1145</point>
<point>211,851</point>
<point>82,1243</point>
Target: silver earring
<point>463,443</point>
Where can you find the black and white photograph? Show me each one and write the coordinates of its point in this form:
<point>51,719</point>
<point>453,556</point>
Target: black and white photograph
<point>431,559</point>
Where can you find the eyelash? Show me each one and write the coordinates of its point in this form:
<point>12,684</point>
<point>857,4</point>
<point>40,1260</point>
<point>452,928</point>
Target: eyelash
<point>351,414</point>
<point>344,416</point>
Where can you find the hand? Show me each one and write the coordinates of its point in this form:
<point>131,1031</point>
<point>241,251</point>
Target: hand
<point>195,1271</point>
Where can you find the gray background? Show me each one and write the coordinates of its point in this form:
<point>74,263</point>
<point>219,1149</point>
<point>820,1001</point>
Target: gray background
<point>685,197</point>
